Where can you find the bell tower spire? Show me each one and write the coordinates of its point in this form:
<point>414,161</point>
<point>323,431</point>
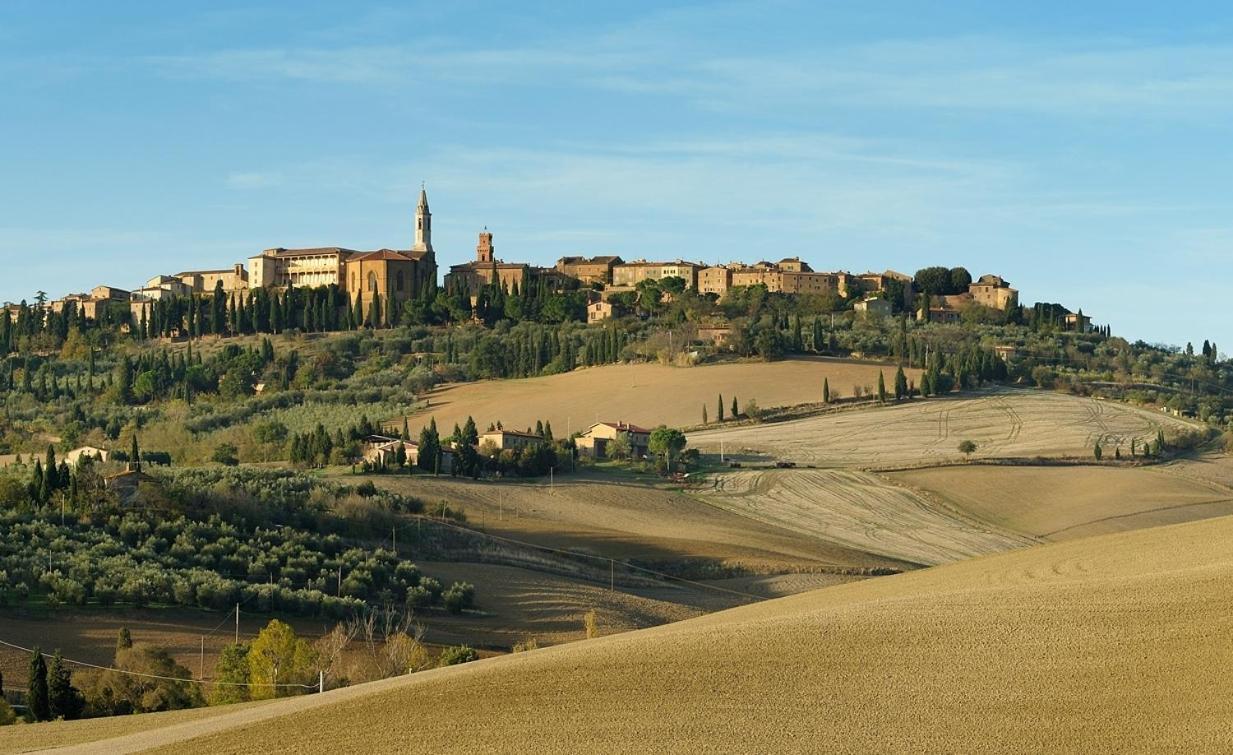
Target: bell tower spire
<point>423,224</point>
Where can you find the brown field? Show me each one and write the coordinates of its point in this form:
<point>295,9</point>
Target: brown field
<point>1060,503</point>
<point>644,394</point>
<point>1004,423</point>
<point>1111,643</point>
<point>858,510</point>
<point>628,519</point>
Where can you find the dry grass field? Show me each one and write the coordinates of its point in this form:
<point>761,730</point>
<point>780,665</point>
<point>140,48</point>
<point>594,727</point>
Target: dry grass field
<point>1004,423</point>
<point>1111,643</point>
<point>857,510</point>
<point>645,394</point>
<point>1060,503</point>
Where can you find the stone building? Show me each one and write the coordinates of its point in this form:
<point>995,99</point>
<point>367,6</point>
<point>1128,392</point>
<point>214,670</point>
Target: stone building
<point>515,439</point>
<point>394,273</point>
<point>234,279</point>
<point>487,269</point>
<point>715,280</point>
<point>633,273</point>
<point>587,271</point>
<point>994,292</point>
<point>598,437</point>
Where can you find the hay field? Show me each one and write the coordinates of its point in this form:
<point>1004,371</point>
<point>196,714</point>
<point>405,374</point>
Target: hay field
<point>645,394</point>
<point>1113,643</point>
<point>860,511</point>
<point>1060,503</point>
<point>1003,422</point>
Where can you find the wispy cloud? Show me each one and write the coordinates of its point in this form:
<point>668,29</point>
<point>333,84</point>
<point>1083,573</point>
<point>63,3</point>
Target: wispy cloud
<point>1082,76</point>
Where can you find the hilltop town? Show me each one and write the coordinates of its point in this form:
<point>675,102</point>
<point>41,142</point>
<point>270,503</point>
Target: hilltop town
<point>375,285</point>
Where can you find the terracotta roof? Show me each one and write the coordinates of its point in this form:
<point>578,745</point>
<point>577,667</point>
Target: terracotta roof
<point>382,254</point>
<point>518,433</point>
<point>623,426</point>
<point>282,252</point>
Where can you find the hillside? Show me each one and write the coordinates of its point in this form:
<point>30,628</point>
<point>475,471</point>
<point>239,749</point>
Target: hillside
<point>1003,422</point>
<point>646,394</point>
<point>1105,643</point>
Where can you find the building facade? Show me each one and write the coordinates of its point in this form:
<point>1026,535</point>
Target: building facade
<point>588,271</point>
<point>633,273</point>
<point>994,292</point>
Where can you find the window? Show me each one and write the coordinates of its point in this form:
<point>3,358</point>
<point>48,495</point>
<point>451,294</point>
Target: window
<point>372,282</point>
<point>399,280</point>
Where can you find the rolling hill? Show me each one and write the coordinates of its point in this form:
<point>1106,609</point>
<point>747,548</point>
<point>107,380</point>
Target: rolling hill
<point>1110,643</point>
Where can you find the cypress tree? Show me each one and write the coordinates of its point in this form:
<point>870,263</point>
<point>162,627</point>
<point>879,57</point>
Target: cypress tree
<point>826,390</point>
<point>736,412</point>
<point>63,699</point>
<point>881,388</point>
<point>36,692</point>
<point>721,407</point>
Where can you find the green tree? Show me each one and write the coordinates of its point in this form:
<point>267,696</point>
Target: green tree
<point>134,454</point>
<point>901,384</point>
<point>231,675</point>
<point>704,418</point>
<point>881,388</point>
<point>967,447</point>
<point>37,699</point>
<point>667,443</point>
<point>278,657</point>
<point>721,408</point>
<point>736,412</point>
<point>63,699</point>
<point>826,390</point>
<point>1098,452</point>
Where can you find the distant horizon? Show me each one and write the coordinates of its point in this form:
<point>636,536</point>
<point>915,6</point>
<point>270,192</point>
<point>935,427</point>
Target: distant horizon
<point>1078,152</point>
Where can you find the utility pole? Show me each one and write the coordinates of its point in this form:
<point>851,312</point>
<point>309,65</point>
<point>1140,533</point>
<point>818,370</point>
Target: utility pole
<point>340,580</point>
<point>394,538</point>
<point>320,681</point>
<point>550,471</point>
<point>201,662</point>
<point>237,623</point>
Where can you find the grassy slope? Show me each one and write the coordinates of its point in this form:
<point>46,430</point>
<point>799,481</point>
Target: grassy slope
<point>1108,643</point>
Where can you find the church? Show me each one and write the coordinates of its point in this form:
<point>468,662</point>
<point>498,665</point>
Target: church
<point>393,274</point>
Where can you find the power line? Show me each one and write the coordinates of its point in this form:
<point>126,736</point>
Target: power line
<point>87,664</point>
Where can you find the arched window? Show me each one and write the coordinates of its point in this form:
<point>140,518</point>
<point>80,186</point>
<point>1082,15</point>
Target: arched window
<point>372,282</point>
<point>399,283</point>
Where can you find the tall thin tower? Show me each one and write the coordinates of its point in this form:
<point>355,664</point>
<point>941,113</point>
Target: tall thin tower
<point>423,224</point>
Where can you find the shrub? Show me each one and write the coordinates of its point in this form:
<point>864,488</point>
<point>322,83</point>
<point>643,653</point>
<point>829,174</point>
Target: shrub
<point>225,454</point>
<point>459,597</point>
<point>456,654</point>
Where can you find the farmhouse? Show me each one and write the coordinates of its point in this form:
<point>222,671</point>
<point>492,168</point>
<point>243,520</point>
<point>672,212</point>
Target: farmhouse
<point>72,458</point>
<point>597,438</point>
<point>994,292</point>
<point>871,307</point>
<point>515,439</point>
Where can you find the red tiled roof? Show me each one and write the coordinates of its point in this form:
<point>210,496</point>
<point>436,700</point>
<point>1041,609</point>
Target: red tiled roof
<point>626,426</point>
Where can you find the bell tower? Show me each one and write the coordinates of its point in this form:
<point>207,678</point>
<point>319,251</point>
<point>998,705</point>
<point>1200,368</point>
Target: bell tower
<point>423,224</point>
<point>483,250</point>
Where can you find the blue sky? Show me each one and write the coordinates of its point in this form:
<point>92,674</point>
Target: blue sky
<point>1082,153</point>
